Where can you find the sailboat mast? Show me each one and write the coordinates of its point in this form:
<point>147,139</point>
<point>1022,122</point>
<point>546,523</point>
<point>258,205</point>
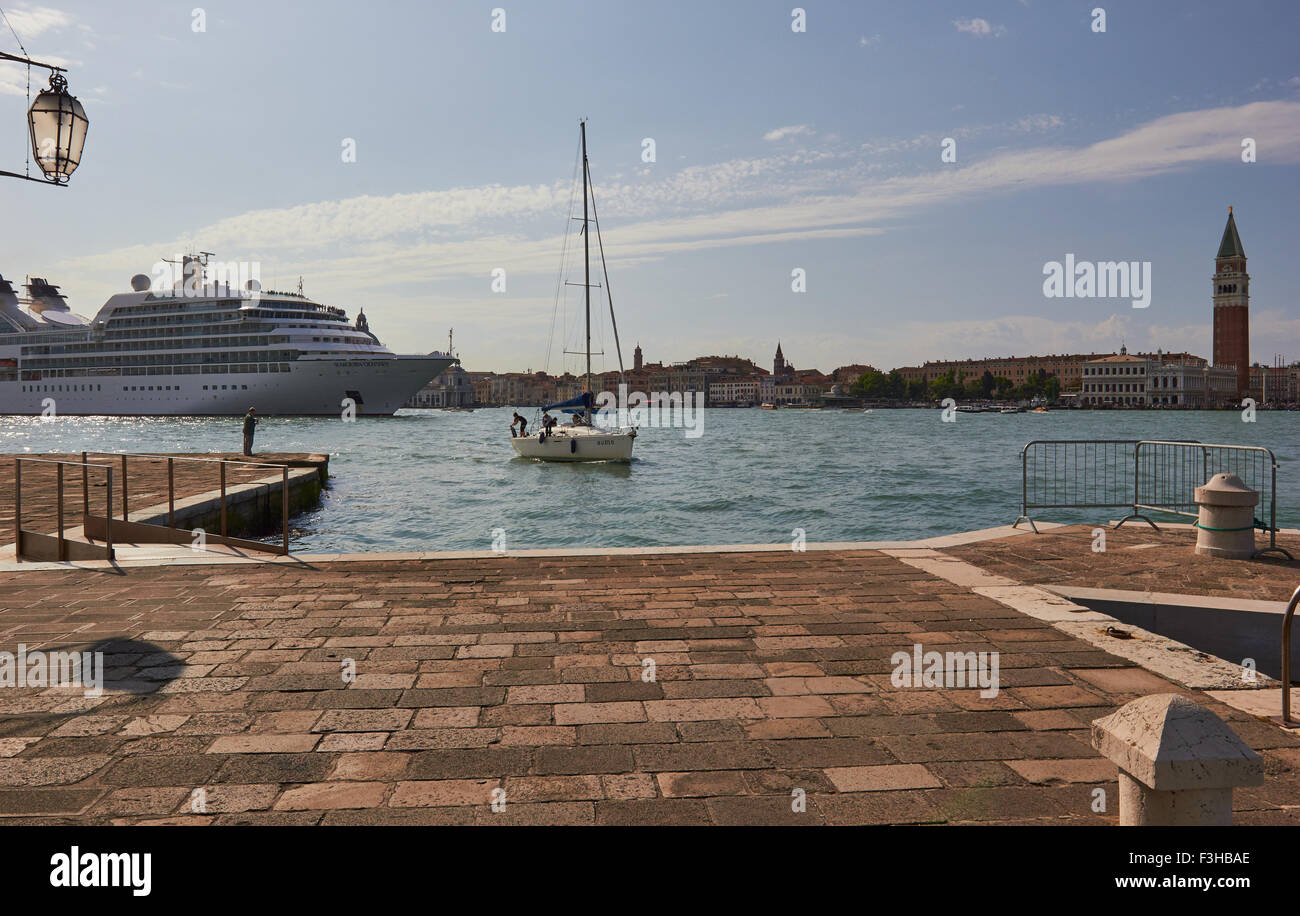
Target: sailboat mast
<point>586,251</point>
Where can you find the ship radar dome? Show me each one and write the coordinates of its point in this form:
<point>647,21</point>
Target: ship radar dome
<point>140,283</point>
<point>253,286</point>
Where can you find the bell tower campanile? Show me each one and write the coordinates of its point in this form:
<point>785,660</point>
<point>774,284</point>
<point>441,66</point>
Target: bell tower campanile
<point>1232,306</point>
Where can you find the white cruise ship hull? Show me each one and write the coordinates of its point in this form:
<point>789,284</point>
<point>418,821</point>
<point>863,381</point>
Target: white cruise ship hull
<point>310,386</point>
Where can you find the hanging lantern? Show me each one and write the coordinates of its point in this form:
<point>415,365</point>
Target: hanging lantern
<point>58,127</point>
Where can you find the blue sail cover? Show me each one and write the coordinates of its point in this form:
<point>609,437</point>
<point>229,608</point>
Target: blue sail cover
<point>573,405</point>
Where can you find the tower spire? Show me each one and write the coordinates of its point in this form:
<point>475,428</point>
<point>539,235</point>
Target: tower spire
<point>1230,246</point>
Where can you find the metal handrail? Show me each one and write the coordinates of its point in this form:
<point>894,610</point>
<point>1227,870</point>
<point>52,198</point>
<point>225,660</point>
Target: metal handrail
<point>221,462</point>
<point>1286,658</point>
<point>256,464</point>
<point>85,482</point>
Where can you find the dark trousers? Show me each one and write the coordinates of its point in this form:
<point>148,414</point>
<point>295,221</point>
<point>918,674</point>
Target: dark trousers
<point>248,443</point>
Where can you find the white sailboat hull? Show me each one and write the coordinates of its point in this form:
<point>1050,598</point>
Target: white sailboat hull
<point>568,444</point>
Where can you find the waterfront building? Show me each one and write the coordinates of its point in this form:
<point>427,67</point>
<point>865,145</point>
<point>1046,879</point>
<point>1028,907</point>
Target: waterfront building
<point>1191,383</point>
<point>845,376</point>
<point>1275,384</point>
<point>1119,380</point>
<point>789,393</point>
<point>453,388</point>
<point>789,386</point>
<point>735,392</point>
<point>1232,305</point>
<point>781,368</point>
<point>913,373</point>
<point>1067,367</point>
<point>523,389</point>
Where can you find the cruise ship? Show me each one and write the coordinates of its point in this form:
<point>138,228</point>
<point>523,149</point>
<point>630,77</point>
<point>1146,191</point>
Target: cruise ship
<point>197,348</point>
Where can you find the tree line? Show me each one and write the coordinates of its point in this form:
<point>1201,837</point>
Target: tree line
<point>881,386</point>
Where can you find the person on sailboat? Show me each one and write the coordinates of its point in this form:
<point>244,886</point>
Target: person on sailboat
<point>521,423</point>
<point>548,424</point>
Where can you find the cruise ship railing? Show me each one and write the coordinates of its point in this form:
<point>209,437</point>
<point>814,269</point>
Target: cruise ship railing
<point>152,533</point>
<point>37,546</point>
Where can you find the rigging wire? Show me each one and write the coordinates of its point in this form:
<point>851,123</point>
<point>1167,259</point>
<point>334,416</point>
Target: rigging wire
<point>27,153</point>
<point>559,279</point>
<point>609,294</point>
<point>11,28</point>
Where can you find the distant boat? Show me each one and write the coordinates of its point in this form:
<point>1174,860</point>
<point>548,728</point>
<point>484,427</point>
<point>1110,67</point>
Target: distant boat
<point>1012,410</point>
<point>769,406</point>
<point>581,440</point>
<point>1040,410</point>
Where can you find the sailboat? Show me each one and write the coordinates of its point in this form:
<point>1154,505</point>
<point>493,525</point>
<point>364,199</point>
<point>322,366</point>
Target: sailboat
<point>581,439</point>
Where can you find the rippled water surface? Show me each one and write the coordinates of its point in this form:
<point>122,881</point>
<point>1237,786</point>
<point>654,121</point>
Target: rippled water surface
<point>431,480</point>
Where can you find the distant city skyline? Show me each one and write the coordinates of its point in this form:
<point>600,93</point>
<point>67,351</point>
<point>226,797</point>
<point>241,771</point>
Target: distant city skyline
<point>775,151</point>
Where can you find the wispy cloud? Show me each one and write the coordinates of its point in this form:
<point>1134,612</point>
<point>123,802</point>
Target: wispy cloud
<point>29,22</point>
<point>354,246</point>
<point>1029,124</point>
<point>801,190</point>
<point>980,28</point>
<point>782,133</point>
<point>1037,123</point>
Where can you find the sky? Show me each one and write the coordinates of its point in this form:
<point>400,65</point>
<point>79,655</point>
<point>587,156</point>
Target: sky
<point>776,149</point>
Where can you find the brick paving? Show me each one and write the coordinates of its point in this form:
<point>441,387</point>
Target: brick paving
<point>147,485</point>
<point>1136,558</point>
<point>528,680</point>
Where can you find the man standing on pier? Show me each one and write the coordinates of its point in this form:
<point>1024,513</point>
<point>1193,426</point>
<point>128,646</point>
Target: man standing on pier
<point>250,424</point>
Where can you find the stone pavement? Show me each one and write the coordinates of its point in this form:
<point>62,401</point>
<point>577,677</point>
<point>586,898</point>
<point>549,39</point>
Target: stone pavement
<point>771,674</point>
<point>147,485</point>
<point>1139,559</point>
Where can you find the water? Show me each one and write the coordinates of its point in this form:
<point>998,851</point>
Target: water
<point>433,480</point>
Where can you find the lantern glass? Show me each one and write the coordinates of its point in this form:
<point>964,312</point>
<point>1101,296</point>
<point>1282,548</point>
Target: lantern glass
<point>58,127</point>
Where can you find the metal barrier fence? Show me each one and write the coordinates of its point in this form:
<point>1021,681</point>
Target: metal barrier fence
<point>1141,475</point>
<point>1166,475</point>
<point>34,545</point>
<point>1075,474</point>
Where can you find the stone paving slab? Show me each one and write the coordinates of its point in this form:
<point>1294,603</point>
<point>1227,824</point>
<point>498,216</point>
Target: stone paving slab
<point>1136,558</point>
<point>710,688</point>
